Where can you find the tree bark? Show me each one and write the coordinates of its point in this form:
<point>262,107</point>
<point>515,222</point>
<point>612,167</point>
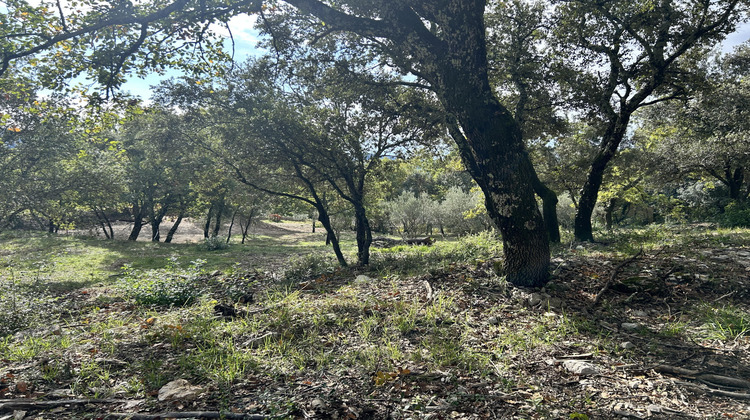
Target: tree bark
<point>207,226</point>
<point>137,222</point>
<point>364,235</point>
<point>175,225</point>
<point>453,60</point>
<point>615,132</point>
<point>331,238</point>
<point>608,223</point>
<point>219,212</point>
<point>231,225</point>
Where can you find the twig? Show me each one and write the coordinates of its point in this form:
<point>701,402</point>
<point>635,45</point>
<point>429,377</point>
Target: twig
<point>706,390</point>
<point>186,415</point>
<point>613,276</point>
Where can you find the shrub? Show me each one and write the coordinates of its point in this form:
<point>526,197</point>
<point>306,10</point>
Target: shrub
<point>20,305</point>
<point>735,215</point>
<point>171,286</point>
<point>276,218</point>
<point>310,266</point>
<point>213,243</point>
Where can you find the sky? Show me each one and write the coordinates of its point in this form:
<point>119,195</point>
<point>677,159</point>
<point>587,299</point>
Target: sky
<point>246,40</point>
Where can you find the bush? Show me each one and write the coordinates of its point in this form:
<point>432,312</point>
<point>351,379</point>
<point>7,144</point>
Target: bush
<point>213,243</point>
<point>21,305</point>
<point>276,218</point>
<point>310,266</point>
<point>735,215</point>
<point>171,286</point>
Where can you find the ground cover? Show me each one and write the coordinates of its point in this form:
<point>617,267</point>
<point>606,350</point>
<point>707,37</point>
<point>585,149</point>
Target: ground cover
<point>649,323</point>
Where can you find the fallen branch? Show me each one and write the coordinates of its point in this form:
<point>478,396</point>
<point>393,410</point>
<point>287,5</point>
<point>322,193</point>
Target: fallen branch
<point>706,378</point>
<point>613,276</point>
<point>702,389</point>
<point>31,404</point>
<point>185,415</point>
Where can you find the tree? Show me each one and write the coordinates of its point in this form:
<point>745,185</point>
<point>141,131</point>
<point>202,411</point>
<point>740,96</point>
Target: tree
<point>709,134</point>
<point>619,56</point>
<point>443,43</point>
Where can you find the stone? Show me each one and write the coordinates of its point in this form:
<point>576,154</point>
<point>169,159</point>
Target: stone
<point>215,273</point>
<point>627,345</point>
<point>639,313</point>
<point>535,299</point>
<point>362,279</point>
<point>493,320</point>
<point>179,389</point>
<point>630,326</point>
<point>579,367</point>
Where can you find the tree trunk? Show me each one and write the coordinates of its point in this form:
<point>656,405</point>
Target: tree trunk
<point>51,226</point>
<point>611,139</point>
<point>364,234</point>
<point>608,213</point>
<point>735,181</point>
<point>137,222</point>
<point>231,225</point>
<point>175,225</point>
<point>207,226</point>
<point>331,238</point>
<point>219,212</point>
<point>549,209</point>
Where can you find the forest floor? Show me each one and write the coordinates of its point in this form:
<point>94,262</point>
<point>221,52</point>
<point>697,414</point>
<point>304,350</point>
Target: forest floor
<point>650,323</point>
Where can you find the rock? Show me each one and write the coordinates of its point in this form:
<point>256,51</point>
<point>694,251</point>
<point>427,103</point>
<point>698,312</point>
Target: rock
<point>56,330</point>
<point>19,415</point>
<point>535,299</point>
<point>554,303</point>
<point>579,367</point>
<point>493,320</point>
<point>627,345</point>
<point>362,279</point>
<point>639,313</point>
<point>630,326</point>
<point>179,389</point>
<point>215,273</point>
<point>318,404</point>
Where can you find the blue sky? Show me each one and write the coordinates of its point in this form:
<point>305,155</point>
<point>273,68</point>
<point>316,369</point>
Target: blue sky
<point>246,39</point>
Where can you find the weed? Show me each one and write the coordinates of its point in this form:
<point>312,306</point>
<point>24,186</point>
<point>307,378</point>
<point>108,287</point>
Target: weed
<point>171,286</point>
<point>726,323</point>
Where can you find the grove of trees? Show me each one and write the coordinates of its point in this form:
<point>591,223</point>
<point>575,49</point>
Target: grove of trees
<point>438,116</point>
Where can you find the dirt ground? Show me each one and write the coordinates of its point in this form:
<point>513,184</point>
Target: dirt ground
<point>191,231</point>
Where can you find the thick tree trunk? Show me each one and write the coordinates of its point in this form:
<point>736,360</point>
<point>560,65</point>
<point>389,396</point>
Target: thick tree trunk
<point>364,235</point>
<point>583,231</point>
<point>137,222</point>
<point>735,181</point>
<point>207,226</point>
<point>219,212</point>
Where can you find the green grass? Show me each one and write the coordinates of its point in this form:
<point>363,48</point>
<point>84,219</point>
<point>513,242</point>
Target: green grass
<point>127,332</point>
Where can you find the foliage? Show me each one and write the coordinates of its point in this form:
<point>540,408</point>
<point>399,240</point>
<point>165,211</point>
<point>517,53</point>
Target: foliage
<point>213,243</point>
<point>171,286</point>
<point>735,214</point>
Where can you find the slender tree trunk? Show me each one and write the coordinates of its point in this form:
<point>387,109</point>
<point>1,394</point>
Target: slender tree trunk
<point>611,139</point>
<point>175,226</point>
<point>231,225</point>
<point>364,234</point>
<point>549,209</point>
<point>51,226</point>
<point>608,211</point>
<point>331,238</point>
<point>100,218</point>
